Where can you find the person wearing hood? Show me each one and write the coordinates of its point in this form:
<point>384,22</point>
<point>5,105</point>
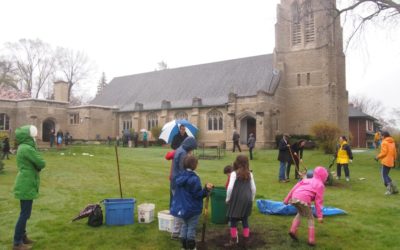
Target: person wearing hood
<point>187,202</point>
<point>186,148</point>
<point>343,156</point>
<point>26,189</point>
<point>387,156</point>
<point>301,196</point>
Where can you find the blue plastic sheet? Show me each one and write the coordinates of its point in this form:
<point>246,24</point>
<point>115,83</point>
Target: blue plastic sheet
<point>278,208</point>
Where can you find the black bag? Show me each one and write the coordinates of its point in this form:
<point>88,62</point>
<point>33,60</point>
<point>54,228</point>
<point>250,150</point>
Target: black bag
<point>96,217</point>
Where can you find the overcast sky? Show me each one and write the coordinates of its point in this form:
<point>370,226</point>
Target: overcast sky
<point>132,36</point>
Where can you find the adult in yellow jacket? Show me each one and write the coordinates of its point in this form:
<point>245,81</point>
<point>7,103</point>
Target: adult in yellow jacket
<point>387,156</point>
<point>343,157</point>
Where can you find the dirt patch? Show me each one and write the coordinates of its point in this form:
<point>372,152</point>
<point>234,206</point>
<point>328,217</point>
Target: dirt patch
<point>217,238</point>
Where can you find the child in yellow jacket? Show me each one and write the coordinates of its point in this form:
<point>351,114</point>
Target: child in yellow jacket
<point>343,157</point>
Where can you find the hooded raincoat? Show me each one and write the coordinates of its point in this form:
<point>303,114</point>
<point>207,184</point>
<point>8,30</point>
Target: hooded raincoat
<point>29,163</point>
<point>308,190</point>
<point>187,145</point>
<point>188,198</point>
<point>388,153</point>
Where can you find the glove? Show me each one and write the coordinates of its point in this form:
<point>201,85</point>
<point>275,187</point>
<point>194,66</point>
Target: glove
<point>350,160</point>
<point>376,158</point>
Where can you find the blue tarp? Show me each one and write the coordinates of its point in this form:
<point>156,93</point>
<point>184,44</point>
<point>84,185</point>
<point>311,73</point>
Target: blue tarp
<point>278,208</point>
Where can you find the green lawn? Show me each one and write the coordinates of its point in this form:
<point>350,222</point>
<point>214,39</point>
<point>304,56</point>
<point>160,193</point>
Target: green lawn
<point>71,181</point>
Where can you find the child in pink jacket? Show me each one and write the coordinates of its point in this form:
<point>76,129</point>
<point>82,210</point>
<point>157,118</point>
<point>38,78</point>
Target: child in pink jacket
<point>301,196</point>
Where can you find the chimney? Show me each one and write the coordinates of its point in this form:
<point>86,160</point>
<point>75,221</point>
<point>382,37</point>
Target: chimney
<point>61,91</point>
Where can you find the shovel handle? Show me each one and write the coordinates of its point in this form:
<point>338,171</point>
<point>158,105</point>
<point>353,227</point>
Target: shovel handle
<point>205,217</point>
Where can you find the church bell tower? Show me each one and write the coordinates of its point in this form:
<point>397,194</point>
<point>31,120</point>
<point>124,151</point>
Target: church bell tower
<point>309,54</point>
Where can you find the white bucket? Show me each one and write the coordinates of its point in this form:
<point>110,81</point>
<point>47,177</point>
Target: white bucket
<point>146,212</point>
<point>166,222</point>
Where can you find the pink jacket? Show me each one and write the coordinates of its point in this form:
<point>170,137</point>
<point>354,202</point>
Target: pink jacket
<point>308,190</point>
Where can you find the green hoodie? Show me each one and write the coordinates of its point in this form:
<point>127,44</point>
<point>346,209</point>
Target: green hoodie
<point>29,163</point>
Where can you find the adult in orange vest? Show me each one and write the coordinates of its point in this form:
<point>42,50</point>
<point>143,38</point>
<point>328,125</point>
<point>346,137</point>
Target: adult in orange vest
<point>387,156</point>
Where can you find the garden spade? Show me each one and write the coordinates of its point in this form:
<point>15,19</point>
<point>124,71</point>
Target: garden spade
<point>119,176</point>
<point>205,217</point>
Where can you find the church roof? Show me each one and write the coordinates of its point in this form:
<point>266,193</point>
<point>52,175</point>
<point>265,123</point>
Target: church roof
<point>212,82</point>
<point>356,113</point>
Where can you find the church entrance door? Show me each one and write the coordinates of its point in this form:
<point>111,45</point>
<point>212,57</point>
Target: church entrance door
<point>247,126</point>
<point>48,125</point>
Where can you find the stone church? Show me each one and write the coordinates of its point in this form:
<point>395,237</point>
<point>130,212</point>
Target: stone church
<point>301,83</point>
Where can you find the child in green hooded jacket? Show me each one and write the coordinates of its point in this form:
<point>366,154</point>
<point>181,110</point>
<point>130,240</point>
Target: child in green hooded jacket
<point>26,189</point>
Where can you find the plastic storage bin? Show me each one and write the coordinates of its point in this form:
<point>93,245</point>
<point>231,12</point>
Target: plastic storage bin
<point>166,222</point>
<point>119,211</point>
<point>218,205</point>
<point>145,212</point>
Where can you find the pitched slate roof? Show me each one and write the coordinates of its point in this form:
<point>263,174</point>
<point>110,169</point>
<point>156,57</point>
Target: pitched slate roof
<point>212,82</point>
<point>354,112</point>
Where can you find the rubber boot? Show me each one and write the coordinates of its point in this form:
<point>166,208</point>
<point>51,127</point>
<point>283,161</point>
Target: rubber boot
<point>389,190</point>
<point>246,235</point>
<point>184,244</point>
<point>293,229</point>
<point>26,240</point>
<point>395,190</point>
<point>311,236</point>
<point>191,244</point>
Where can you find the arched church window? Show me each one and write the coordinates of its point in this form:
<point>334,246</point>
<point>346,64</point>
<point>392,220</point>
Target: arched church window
<point>4,121</point>
<point>181,115</point>
<point>215,120</point>
<point>296,25</point>
<point>152,121</point>
<point>127,124</point>
<point>309,27</point>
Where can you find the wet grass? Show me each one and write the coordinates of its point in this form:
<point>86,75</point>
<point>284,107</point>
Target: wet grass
<point>72,180</point>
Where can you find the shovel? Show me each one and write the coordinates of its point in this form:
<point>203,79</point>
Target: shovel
<point>205,217</point>
<point>119,176</point>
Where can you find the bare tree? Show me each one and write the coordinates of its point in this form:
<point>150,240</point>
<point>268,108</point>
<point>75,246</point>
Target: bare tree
<point>74,67</point>
<point>34,63</point>
<point>368,105</point>
<point>359,13</point>
<point>161,66</point>
<point>7,74</point>
<point>102,84</point>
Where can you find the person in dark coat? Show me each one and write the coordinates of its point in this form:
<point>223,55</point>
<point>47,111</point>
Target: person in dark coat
<point>240,195</point>
<point>297,153</point>
<point>235,139</point>
<point>52,137</point>
<point>6,148</point>
<point>251,142</point>
<point>283,156</point>
<point>178,138</point>
<point>187,202</point>
<point>135,139</point>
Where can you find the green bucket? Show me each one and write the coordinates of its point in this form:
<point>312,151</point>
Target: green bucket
<point>218,206</point>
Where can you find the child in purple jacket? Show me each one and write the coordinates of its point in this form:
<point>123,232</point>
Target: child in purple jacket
<point>301,196</point>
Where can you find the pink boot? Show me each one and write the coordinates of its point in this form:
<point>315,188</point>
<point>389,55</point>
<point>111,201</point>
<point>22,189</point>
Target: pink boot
<point>311,236</point>
<point>293,229</point>
<point>234,238</point>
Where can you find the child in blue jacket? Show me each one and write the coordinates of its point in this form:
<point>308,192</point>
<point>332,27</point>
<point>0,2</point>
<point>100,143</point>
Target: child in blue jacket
<point>187,202</point>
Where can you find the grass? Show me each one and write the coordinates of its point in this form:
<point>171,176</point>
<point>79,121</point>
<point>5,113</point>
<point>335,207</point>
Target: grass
<point>71,181</point>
